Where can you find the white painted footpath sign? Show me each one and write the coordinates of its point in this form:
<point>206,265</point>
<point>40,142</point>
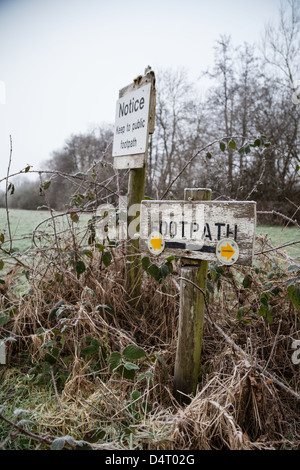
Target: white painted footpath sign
<point>131,123</point>
<point>209,230</point>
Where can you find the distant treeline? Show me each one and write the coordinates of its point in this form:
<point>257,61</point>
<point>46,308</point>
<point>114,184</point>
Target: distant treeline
<point>252,95</point>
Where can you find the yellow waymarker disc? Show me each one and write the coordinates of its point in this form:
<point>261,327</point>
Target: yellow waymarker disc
<point>227,251</point>
<point>156,243</point>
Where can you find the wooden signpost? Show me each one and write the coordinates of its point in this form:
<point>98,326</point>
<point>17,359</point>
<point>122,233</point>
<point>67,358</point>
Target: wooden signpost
<point>135,118</point>
<point>198,230</point>
<point>2,352</point>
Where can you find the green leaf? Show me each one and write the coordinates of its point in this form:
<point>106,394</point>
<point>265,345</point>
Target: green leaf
<point>106,258</point>
<point>83,445</point>
<point>209,155</point>
<point>133,352</point>
<point>46,185</point>
<point>51,356</point>
<point>1,264</point>
<point>294,267</point>
<point>232,144</point>
<point>247,281</point>
<point>262,310</point>
<point>146,262</point>
<point>240,313</point>
<point>154,271</point>
<point>80,267</point>
<point>50,343</point>
<point>128,374</point>
<point>297,168</point>
<point>87,253</point>
<point>130,366</point>
<point>114,360</point>
<point>135,395</point>
<point>257,143</point>
<point>11,188</point>
<point>164,270</point>
<point>58,444</point>
<point>74,217</point>
<point>247,149</point>
<point>146,407</point>
<point>27,168</point>
<point>170,258</point>
<point>222,146</point>
<point>89,350</point>
<point>294,295</point>
<point>1,238</point>
<point>3,319</point>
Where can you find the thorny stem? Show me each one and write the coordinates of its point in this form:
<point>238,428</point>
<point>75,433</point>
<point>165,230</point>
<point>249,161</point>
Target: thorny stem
<point>6,195</point>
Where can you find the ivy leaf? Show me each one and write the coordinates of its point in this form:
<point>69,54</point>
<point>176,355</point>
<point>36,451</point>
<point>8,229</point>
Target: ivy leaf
<point>232,144</point>
<point>257,143</point>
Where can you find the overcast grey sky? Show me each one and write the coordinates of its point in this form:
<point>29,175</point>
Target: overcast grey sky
<point>64,61</point>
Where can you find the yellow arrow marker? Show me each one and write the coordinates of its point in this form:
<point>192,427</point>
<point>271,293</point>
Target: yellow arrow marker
<point>227,251</point>
<point>156,243</point>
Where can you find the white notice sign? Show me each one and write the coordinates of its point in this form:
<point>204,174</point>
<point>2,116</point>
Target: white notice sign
<point>131,122</point>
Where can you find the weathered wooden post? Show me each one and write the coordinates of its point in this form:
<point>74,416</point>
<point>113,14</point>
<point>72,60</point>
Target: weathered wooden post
<point>2,352</point>
<point>135,119</point>
<point>191,316</point>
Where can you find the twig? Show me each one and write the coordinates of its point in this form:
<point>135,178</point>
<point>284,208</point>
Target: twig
<point>25,431</point>
<point>54,225</point>
<point>280,215</point>
<point>6,193</point>
<point>277,247</point>
<point>195,156</point>
<point>55,388</point>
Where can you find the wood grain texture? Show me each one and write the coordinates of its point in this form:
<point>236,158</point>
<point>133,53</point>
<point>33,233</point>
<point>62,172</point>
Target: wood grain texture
<point>191,317</point>
<point>221,219</point>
